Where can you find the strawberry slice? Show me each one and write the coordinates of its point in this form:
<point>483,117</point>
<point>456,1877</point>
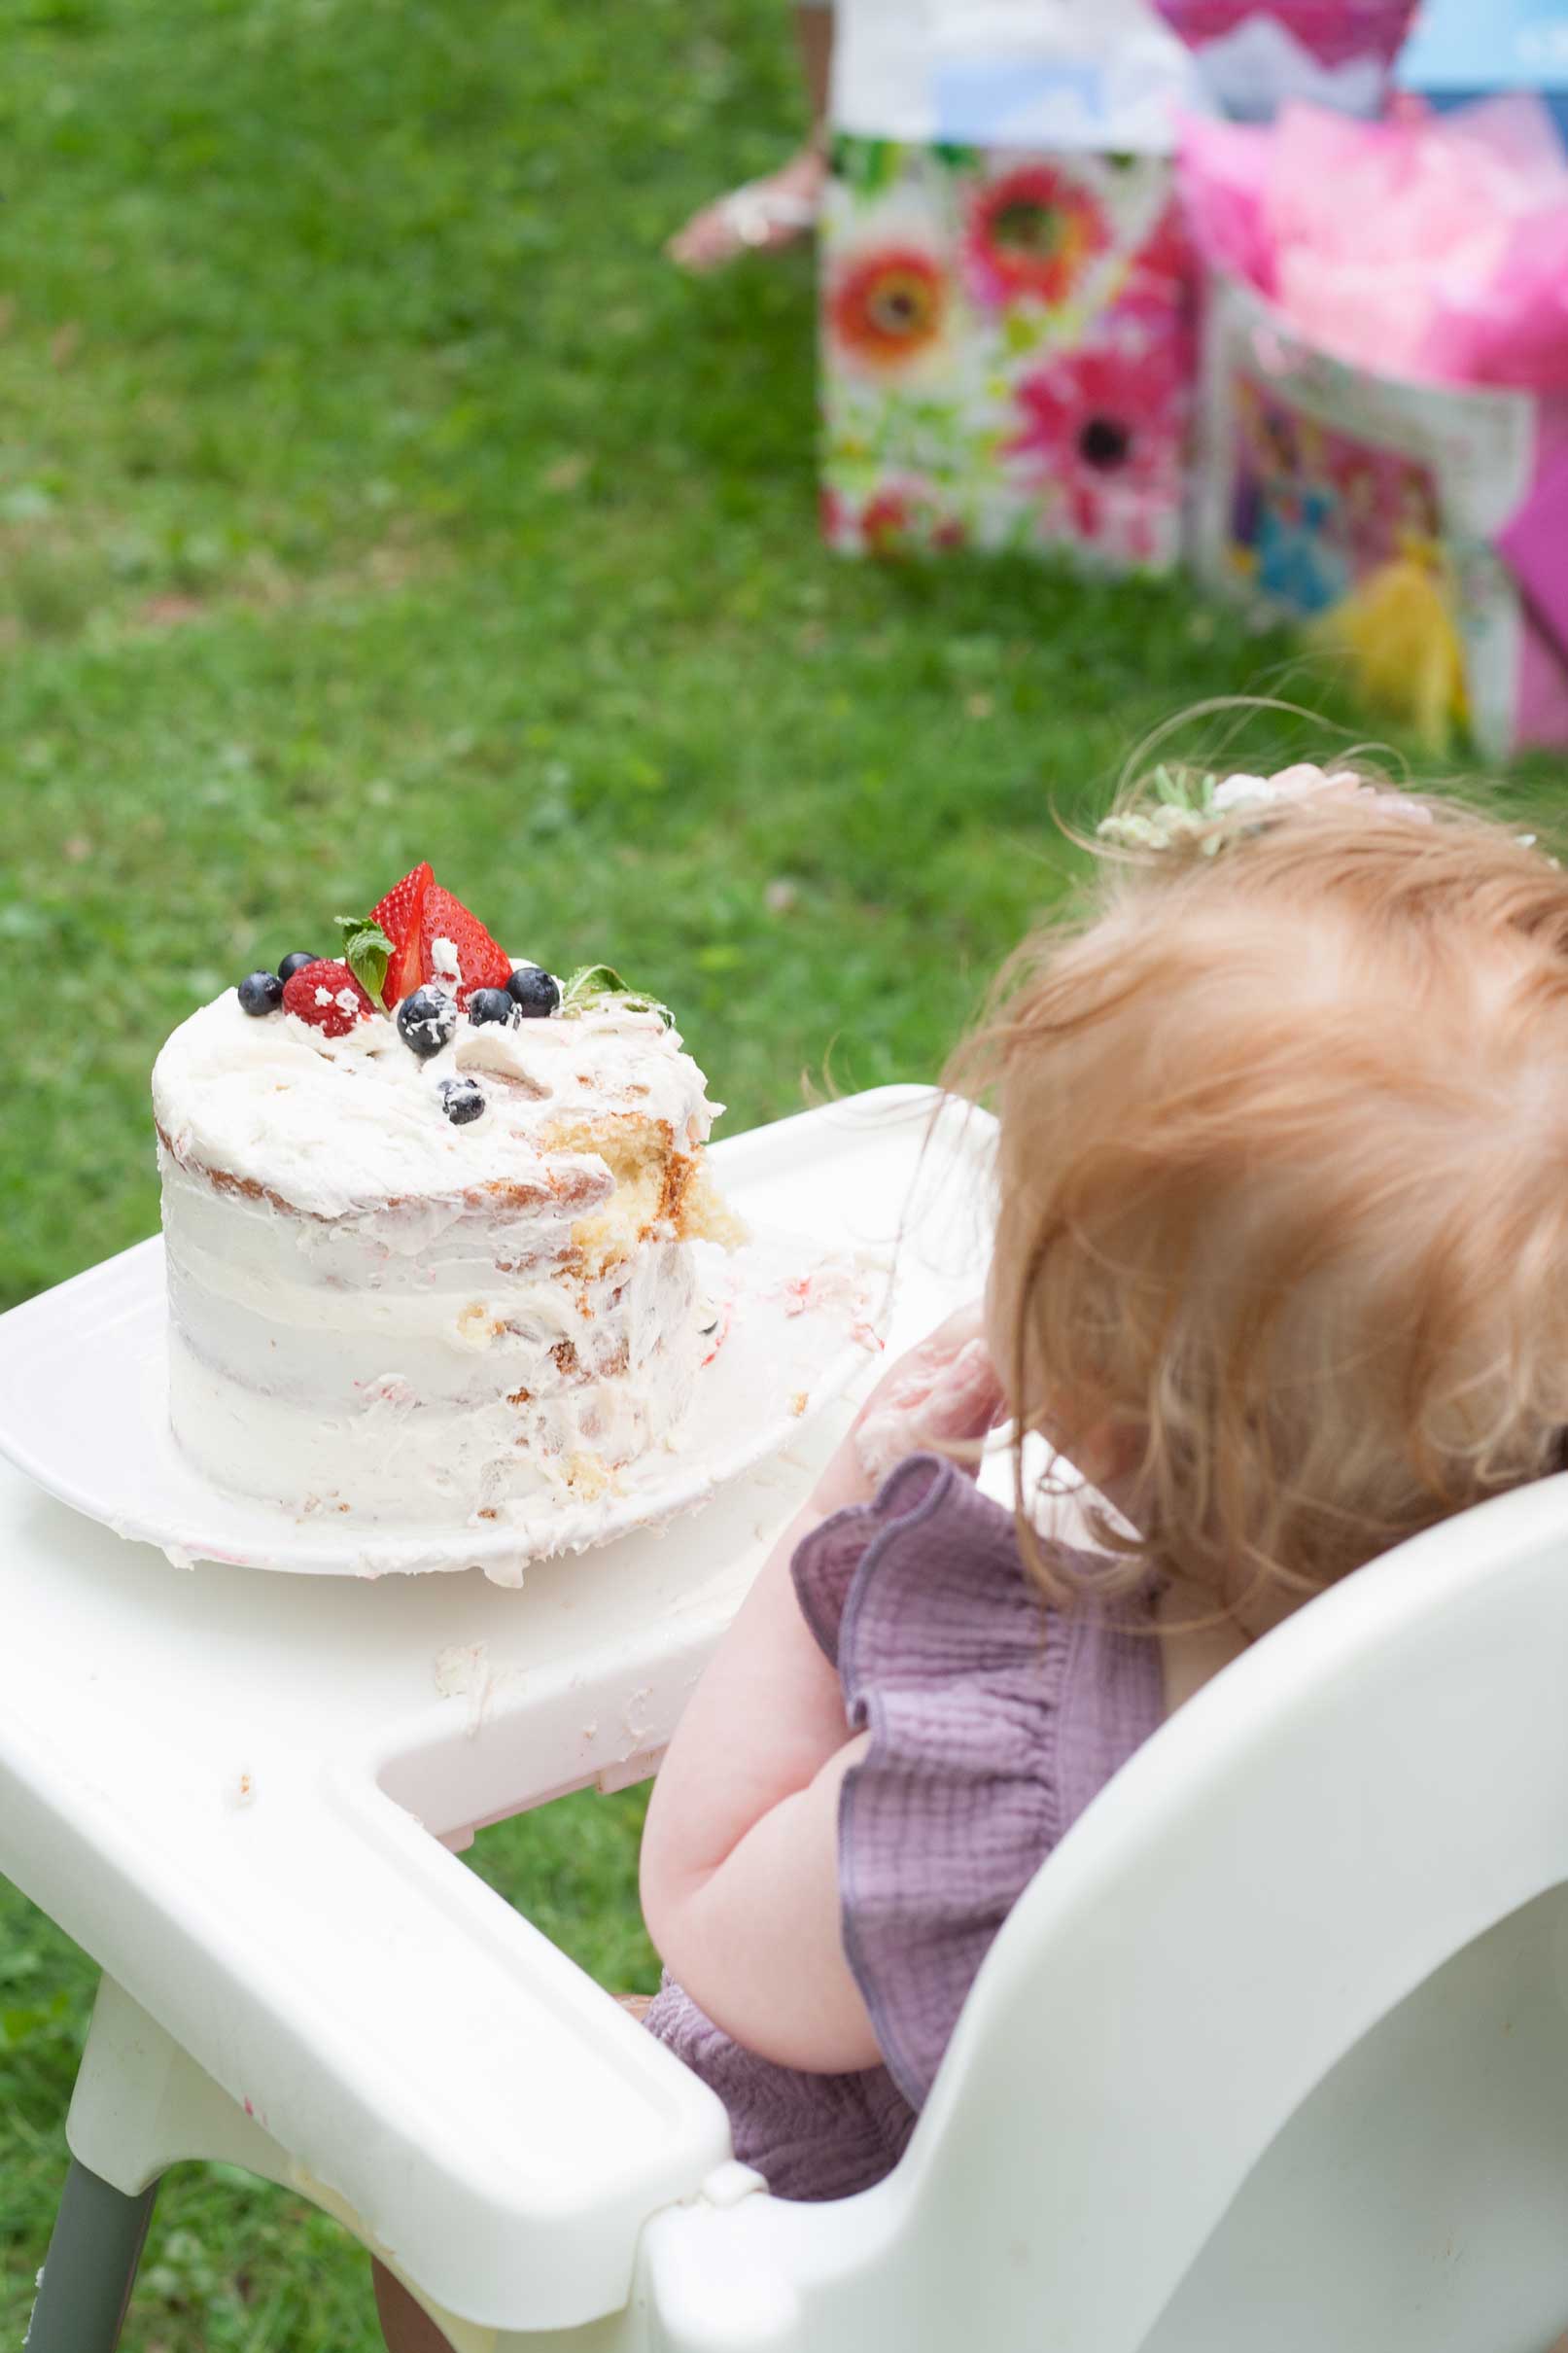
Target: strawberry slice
<point>457,952</point>
<point>326,994</point>
<point>399,916</point>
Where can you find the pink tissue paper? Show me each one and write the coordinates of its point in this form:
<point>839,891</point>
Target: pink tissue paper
<point>1435,248</point>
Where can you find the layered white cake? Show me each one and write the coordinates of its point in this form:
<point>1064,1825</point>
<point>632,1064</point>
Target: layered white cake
<point>386,1301</point>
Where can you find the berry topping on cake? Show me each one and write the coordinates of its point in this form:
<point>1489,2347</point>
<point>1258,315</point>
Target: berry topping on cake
<point>327,997</point>
<point>532,991</point>
<point>261,993</point>
<point>456,950</point>
<point>462,1100</point>
<point>401,917</point>
<point>492,1004</point>
<point>427,1021</point>
<point>296,963</point>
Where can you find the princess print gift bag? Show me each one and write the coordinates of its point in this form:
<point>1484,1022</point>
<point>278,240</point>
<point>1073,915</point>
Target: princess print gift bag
<point>1423,527</point>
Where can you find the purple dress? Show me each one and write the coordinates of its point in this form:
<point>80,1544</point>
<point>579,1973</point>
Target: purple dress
<point>994,1720</point>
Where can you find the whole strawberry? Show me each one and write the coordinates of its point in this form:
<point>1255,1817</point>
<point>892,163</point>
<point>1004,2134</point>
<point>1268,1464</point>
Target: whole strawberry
<point>326,995</point>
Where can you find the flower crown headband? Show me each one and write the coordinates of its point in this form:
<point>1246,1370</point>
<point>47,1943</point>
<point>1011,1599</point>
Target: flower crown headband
<point>1187,806</point>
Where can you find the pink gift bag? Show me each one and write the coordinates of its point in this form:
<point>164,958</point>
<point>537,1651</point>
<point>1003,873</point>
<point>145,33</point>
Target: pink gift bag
<point>1421,527</point>
<point>1385,401</point>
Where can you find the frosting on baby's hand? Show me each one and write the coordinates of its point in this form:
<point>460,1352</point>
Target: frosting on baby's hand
<point>924,1404</point>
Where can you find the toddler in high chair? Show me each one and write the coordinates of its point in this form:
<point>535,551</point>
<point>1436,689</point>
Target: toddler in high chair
<point>1280,1265</point>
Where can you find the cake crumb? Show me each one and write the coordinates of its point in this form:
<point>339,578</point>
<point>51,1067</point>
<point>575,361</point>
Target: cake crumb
<point>707,1217</point>
<point>587,1477</point>
<point>477,1326</point>
<point>799,1400</point>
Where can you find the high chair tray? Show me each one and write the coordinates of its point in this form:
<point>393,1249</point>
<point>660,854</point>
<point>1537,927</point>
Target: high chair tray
<point>239,1793</point>
<point>794,1322</point>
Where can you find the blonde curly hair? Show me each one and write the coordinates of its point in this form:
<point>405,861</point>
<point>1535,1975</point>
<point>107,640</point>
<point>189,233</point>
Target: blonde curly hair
<point>1283,1175</point>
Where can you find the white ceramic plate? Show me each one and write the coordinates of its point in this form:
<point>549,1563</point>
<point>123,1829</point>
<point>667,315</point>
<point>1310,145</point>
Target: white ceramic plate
<point>83,1410</point>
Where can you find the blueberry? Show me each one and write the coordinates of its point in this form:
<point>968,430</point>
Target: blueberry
<point>532,991</point>
<point>460,1100</point>
<point>296,962</point>
<point>427,1021</point>
<point>261,993</point>
<point>492,1004</point>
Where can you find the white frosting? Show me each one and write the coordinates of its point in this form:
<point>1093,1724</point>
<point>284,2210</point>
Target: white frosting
<point>334,1124</point>
<point>375,1310</point>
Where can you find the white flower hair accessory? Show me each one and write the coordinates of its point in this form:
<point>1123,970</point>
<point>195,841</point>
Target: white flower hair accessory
<point>1187,806</point>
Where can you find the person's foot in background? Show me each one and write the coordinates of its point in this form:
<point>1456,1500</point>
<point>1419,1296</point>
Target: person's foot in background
<point>765,215</point>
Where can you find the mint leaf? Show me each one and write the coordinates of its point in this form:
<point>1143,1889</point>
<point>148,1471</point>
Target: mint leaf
<point>601,984</point>
<point>367,951</point>
<point>589,981</point>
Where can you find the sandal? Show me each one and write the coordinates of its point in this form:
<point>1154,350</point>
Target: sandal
<point>763,216</point>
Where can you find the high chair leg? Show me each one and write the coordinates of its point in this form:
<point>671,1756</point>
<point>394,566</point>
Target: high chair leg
<point>90,2269</point>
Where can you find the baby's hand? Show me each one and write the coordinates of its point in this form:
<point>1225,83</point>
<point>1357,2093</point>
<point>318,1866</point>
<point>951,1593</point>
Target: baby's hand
<point>946,1388</point>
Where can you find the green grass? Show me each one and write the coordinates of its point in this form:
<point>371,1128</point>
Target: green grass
<point>370,489</point>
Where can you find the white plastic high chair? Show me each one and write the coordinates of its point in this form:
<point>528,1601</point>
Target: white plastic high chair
<point>1273,2053</point>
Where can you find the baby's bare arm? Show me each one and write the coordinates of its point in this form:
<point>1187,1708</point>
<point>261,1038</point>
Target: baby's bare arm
<point>763,1723</point>
<point>739,1858</point>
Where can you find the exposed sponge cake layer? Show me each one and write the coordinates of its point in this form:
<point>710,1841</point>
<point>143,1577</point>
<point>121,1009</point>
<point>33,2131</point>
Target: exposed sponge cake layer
<point>376,1310</point>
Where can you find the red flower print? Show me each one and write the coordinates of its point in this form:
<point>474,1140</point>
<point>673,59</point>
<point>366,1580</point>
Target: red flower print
<point>1033,234</point>
<point>887,307</point>
<point>884,523</point>
<point>1105,427</point>
<point>903,517</point>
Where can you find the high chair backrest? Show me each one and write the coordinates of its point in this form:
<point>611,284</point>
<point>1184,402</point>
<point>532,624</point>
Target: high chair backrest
<point>1274,2049</point>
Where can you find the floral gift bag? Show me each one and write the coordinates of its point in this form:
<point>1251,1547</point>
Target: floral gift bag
<point>1006,348</point>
